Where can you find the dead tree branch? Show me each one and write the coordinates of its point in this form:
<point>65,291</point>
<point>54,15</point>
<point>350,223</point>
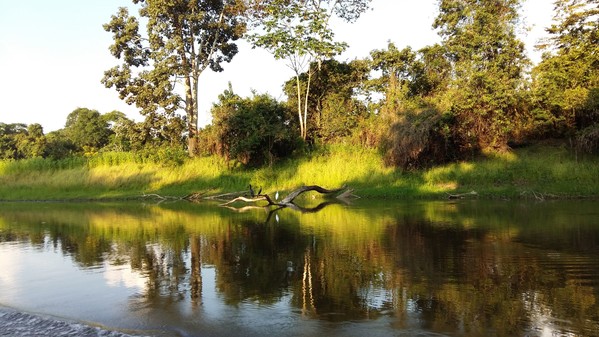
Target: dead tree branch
<point>288,200</point>
<point>461,195</point>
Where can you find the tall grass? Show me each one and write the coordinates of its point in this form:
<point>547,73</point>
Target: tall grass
<point>535,172</point>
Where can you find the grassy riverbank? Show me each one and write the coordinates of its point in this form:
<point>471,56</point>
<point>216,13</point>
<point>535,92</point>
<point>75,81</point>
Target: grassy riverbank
<point>539,171</point>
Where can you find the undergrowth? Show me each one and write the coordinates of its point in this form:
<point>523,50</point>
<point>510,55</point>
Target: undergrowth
<point>540,171</point>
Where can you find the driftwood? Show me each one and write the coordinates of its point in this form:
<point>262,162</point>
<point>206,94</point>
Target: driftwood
<point>461,195</point>
<point>288,200</point>
<point>225,196</point>
<point>345,195</point>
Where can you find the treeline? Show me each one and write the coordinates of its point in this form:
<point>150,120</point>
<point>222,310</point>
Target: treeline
<point>475,91</point>
<point>88,132</point>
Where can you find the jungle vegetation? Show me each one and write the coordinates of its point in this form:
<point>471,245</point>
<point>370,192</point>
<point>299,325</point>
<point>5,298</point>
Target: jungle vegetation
<point>474,93</point>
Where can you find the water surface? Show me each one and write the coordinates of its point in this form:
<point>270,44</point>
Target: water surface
<point>376,268</point>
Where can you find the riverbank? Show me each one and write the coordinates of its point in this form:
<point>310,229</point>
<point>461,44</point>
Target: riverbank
<point>15,323</point>
<point>536,172</point>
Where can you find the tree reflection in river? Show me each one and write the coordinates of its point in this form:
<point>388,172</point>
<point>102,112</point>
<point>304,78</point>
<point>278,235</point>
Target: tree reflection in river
<point>470,268</point>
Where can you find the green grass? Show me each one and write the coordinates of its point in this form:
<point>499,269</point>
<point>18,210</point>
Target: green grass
<point>540,171</point>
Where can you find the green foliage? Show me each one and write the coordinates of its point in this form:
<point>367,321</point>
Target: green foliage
<point>566,82</point>
<point>8,132</point>
<point>487,64</point>
<point>59,146</point>
<point>547,170</point>
<point>87,129</point>
<point>182,39</point>
<point>414,130</point>
<point>253,131</point>
<point>334,112</point>
<point>419,139</point>
<point>300,32</point>
<point>587,139</point>
<point>162,155</point>
<point>19,141</point>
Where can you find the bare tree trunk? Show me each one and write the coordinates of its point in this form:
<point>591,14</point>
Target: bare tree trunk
<point>305,135</point>
<point>192,117</point>
<point>299,105</point>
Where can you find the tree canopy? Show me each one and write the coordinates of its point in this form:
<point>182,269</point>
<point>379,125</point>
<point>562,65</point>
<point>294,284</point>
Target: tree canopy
<point>472,92</point>
<point>566,81</point>
<point>182,39</point>
<point>300,32</point>
<point>488,63</point>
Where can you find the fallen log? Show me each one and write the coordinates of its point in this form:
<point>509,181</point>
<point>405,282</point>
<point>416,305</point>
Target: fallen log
<point>294,194</point>
<point>288,200</point>
<point>461,195</point>
<point>245,199</point>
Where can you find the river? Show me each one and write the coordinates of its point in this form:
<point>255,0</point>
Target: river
<point>370,268</point>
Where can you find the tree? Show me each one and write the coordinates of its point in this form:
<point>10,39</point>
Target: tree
<point>183,38</point>
<point>412,130</point>
<point>396,73</point>
<point>32,143</point>
<point>300,32</point>
<point>566,81</point>
<point>87,129</point>
<point>487,62</point>
<point>253,131</point>
<point>334,110</point>
<point>8,132</point>
<point>59,146</point>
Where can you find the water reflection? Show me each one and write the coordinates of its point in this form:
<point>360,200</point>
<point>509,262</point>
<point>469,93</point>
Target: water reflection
<point>466,268</point>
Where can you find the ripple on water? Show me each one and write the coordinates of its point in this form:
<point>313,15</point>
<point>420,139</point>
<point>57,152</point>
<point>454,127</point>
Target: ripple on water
<point>13,323</point>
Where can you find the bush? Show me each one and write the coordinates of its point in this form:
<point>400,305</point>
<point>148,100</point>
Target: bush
<point>418,139</point>
<point>587,140</point>
<point>253,131</point>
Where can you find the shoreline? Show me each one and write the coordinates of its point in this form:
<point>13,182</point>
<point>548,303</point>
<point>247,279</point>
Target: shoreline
<point>457,195</point>
<point>543,172</point>
<point>15,322</point>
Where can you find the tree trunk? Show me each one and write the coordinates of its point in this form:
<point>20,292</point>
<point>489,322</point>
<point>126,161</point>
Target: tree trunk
<point>299,105</point>
<point>192,119</point>
<point>305,135</point>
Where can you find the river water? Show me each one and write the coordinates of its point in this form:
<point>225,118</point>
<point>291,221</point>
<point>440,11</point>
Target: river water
<point>370,268</point>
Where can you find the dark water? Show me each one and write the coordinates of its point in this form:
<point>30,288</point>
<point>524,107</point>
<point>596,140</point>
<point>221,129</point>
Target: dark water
<point>467,268</point>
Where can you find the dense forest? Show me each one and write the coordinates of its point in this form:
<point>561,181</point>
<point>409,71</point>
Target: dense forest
<point>473,92</point>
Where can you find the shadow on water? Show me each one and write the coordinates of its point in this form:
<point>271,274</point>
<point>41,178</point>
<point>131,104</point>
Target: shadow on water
<point>469,268</point>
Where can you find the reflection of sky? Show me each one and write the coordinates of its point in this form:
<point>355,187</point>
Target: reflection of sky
<point>123,276</point>
<point>541,316</point>
<point>41,279</point>
<point>9,268</point>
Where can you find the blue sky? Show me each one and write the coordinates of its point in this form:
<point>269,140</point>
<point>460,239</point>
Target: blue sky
<point>53,55</point>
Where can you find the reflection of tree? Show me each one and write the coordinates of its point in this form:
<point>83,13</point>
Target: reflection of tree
<point>252,261</point>
<point>307,297</point>
<point>196,269</point>
<point>426,267</point>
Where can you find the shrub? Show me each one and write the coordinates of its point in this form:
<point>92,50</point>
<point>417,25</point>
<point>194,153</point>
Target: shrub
<point>418,139</point>
<point>253,131</point>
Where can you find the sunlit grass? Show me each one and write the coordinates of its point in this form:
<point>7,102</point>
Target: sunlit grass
<point>538,171</point>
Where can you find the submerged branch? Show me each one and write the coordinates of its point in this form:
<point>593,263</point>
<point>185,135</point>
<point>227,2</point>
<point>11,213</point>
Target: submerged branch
<point>288,200</point>
<point>244,199</point>
<point>461,195</point>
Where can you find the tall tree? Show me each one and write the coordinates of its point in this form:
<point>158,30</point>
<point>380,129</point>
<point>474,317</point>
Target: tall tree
<point>300,32</point>
<point>182,39</point>
<point>488,62</point>
<point>566,81</point>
